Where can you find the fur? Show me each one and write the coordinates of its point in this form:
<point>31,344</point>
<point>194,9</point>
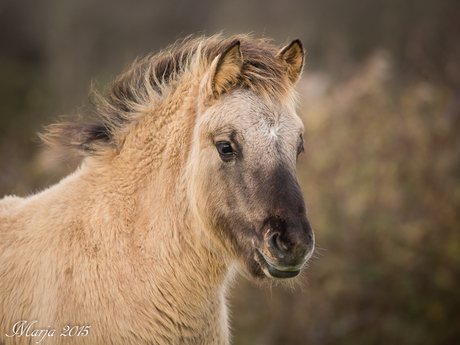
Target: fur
<point>138,243</point>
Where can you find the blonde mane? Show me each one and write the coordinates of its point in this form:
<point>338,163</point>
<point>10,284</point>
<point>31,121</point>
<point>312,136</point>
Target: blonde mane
<point>148,81</point>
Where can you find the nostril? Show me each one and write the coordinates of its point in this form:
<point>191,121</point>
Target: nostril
<point>276,247</point>
<point>311,241</point>
<point>280,244</point>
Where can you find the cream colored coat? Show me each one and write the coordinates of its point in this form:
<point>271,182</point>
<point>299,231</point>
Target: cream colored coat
<point>118,245</point>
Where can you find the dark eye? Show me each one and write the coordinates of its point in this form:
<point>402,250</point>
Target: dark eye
<point>225,148</point>
<point>301,148</point>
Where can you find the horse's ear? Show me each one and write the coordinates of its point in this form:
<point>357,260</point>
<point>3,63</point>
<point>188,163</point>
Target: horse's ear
<point>227,69</point>
<point>293,56</point>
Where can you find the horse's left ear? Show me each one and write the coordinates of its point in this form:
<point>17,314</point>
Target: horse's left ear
<point>293,56</point>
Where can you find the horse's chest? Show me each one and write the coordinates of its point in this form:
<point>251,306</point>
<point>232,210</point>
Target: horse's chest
<point>184,322</point>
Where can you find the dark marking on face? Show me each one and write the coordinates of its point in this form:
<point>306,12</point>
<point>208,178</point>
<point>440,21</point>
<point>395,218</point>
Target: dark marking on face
<point>261,203</point>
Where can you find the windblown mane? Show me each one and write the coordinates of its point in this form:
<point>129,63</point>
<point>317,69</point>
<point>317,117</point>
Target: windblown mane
<point>149,80</point>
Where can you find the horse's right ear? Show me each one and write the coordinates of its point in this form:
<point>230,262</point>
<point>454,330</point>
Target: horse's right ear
<point>225,70</point>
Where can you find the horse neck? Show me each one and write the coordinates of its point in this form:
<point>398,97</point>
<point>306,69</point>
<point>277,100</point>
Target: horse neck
<point>142,236</point>
<point>148,194</point>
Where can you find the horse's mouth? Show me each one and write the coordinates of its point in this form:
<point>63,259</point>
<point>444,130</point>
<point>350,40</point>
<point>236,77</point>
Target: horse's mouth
<point>274,272</point>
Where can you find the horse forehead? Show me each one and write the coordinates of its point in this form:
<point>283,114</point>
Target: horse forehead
<point>257,117</point>
<point>276,124</point>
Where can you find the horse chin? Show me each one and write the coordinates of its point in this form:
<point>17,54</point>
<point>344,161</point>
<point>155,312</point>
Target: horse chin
<point>273,272</point>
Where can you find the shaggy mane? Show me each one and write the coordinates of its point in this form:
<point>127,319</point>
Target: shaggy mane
<point>149,80</point>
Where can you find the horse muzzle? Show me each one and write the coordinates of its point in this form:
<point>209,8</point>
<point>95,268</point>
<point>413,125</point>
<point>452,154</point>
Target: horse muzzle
<point>285,252</point>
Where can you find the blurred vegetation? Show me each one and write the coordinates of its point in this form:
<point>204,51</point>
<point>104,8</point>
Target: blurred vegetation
<point>381,172</point>
<point>381,177</point>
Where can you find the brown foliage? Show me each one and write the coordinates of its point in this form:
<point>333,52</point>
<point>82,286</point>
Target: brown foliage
<point>381,180</point>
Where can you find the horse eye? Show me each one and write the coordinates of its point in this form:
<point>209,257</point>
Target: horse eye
<point>301,148</point>
<point>225,148</point>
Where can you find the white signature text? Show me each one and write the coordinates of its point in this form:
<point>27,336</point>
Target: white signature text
<point>29,329</point>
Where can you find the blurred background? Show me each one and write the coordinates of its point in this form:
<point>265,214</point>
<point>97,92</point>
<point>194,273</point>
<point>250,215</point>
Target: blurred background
<point>380,99</point>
